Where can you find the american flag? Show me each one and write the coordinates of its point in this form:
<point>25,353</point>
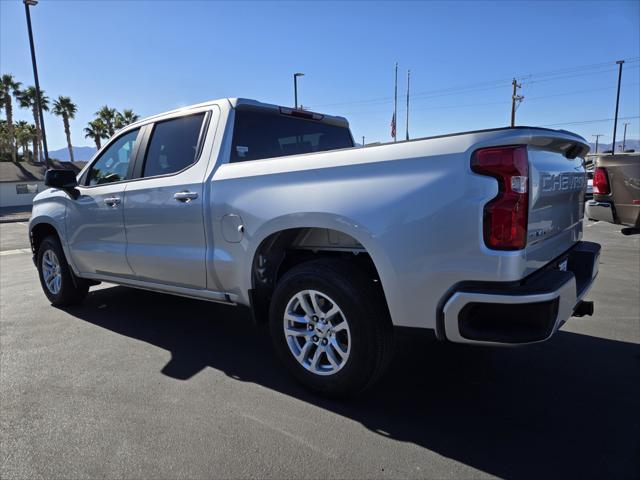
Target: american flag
<point>393,126</point>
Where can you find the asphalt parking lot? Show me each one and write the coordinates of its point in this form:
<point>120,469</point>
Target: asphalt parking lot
<point>133,384</point>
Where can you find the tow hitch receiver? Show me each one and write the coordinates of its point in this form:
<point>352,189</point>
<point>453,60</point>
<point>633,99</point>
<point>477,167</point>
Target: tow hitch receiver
<point>583,308</point>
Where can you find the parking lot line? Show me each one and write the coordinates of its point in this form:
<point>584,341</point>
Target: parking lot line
<point>15,252</point>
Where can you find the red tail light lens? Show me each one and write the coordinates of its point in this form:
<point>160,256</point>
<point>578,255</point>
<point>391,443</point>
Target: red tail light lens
<point>601,182</point>
<point>505,217</point>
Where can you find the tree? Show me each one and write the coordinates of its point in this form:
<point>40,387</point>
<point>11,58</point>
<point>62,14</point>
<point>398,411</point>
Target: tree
<point>96,130</point>
<point>125,118</point>
<point>8,89</point>
<point>27,99</point>
<point>25,133</point>
<point>108,116</point>
<point>33,135</point>
<point>4,141</point>
<point>65,108</point>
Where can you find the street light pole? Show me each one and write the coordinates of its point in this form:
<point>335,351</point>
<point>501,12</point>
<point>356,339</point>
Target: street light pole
<point>295,87</point>
<point>27,4</point>
<point>615,122</point>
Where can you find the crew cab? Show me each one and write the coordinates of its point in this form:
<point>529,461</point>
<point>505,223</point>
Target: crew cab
<point>476,235</point>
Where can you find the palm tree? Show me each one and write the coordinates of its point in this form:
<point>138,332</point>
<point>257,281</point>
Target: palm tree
<point>96,130</point>
<point>27,99</point>
<point>33,135</point>
<point>9,88</point>
<point>24,135</point>
<point>4,140</point>
<point>65,108</point>
<point>108,116</point>
<point>125,118</point>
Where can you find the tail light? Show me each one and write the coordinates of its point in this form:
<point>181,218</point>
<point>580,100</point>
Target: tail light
<point>601,182</point>
<point>505,217</point>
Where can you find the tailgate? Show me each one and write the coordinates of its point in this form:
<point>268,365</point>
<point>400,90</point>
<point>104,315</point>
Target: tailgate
<point>556,204</point>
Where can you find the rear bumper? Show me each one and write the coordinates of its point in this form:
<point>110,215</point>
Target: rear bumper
<point>602,211</point>
<point>524,312</point>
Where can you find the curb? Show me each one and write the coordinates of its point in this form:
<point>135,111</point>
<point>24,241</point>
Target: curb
<point>14,219</point>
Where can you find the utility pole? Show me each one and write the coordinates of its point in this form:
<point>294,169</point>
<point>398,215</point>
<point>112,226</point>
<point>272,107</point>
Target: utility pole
<point>615,122</point>
<point>408,80</point>
<point>598,135</point>
<point>27,4</point>
<point>515,98</point>
<point>624,136</point>
<point>395,106</point>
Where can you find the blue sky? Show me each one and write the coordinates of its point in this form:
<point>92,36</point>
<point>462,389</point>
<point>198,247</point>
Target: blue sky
<point>155,56</point>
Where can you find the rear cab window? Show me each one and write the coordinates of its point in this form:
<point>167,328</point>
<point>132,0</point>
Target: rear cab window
<point>264,133</point>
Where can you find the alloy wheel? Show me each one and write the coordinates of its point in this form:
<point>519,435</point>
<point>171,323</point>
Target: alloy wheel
<point>317,332</point>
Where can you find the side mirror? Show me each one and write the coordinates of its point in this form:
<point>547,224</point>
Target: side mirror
<point>61,178</point>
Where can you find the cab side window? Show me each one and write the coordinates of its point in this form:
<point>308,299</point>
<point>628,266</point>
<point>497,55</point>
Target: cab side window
<point>173,145</point>
<point>113,164</point>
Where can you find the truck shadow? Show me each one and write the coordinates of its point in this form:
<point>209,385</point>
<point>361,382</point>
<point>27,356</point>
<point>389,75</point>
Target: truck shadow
<point>566,408</point>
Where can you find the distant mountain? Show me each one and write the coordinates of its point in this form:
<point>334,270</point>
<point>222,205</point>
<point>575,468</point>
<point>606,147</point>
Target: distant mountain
<point>628,145</point>
<point>79,154</point>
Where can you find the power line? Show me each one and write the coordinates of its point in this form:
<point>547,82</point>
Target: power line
<point>492,84</point>
<point>425,96</point>
<point>502,102</point>
<point>610,64</point>
<point>585,122</point>
<point>576,92</point>
<point>607,70</point>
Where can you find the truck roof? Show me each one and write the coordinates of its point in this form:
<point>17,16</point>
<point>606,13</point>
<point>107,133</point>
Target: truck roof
<point>249,103</point>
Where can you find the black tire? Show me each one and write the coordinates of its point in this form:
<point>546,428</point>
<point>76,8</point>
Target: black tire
<point>72,289</point>
<point>361,300</point>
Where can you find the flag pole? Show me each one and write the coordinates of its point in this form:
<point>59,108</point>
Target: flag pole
<point>395,105</point>
<point>408,79</point>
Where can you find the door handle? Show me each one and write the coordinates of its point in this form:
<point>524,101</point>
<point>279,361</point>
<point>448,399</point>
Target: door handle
<point>112,201</point>
<point>185,197</point>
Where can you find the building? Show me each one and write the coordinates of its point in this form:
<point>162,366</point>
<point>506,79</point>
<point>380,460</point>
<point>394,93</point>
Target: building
<point>20,182</point>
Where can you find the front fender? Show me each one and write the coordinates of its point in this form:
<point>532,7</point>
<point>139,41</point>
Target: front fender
<point>50,207</point>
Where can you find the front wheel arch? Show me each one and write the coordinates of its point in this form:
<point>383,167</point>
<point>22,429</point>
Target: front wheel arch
<point>39,232</point>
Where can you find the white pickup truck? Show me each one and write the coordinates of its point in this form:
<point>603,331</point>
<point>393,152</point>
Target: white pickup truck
<point>474,235</point>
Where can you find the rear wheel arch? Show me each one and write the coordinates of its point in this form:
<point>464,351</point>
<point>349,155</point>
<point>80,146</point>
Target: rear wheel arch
<point>281,251</point>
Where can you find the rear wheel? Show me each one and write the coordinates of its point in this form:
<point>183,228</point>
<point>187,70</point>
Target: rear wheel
<point>330,327</point>
<point>59,284</point>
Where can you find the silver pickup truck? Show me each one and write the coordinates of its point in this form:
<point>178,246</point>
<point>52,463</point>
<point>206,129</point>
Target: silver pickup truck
<point>476,236</point>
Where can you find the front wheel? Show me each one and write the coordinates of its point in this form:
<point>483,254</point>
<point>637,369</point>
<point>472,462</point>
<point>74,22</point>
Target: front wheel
<point>59,284</point>
<point>330,327</point>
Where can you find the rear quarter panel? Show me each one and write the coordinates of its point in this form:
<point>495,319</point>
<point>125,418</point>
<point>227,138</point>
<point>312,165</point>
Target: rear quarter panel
<point>415,206</point>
